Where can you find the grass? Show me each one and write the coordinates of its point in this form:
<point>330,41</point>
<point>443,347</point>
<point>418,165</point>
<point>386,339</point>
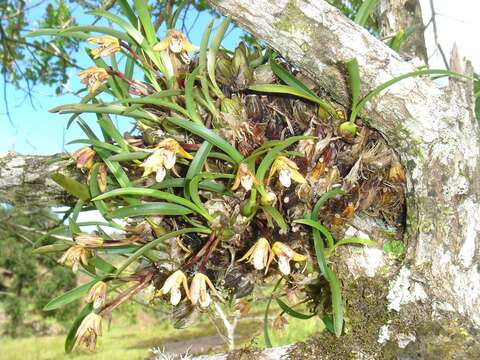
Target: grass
<point>124,340</point>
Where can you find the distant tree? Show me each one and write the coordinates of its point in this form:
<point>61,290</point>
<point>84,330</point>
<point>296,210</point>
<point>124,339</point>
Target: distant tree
<point>28,282</point>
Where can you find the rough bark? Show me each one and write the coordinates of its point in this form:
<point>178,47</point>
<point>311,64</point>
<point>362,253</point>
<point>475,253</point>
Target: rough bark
<point>24,180</point>
<point>436,133</point>
<point>394,16</point>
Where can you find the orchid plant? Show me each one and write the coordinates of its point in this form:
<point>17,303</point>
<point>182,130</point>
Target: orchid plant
<point>187,190</point>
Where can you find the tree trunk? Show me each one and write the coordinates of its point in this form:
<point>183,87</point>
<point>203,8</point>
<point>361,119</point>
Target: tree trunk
<point>435,132</point>
<point>395,16</point>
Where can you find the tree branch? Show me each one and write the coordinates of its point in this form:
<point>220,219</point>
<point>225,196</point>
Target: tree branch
<point>24,180</point>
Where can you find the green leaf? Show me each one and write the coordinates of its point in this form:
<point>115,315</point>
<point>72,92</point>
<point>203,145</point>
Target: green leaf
<point>103,109</point>
<point>128,11</point>
<point>365,11</point>
<point>322,228</point>
<point>156,242</point>
<point>288,310</point>
<point>136,155</point>
<point>190,103</point>
<point>196,166</point>
<point>72,186</point>
<point>69,296</point>
<point>50,248</point>
<point>275,214</point>
<point>337,303</point>
<point>212,53</point>
<point>57,32</point>
<point>289,78</point>
<point>268,342</point>
<point>102,265</point>
<point>108,127</point>
<point>114,168</point>
<point>157,102</point>
<point>354,240</point>
<point>98,29</point>
<point>150,193</point>
<point>323,199</point>
<point>272,154</point>
<point>180,183</point>
<point>146,19</point>
<point>354,78</point>
<point>361,104</point>
<point>208,135</point>
<point>70,340</point>
<point>153,208</point>
<point>289,90</point>
<point>98,144</point>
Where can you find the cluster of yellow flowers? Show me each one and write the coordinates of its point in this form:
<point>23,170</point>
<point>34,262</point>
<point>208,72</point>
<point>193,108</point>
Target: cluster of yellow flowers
<point>197,293</point>
<point>261,255</point>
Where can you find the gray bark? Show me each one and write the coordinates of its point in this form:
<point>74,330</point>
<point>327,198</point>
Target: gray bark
<point>394,16</point>
<point>24,180</point>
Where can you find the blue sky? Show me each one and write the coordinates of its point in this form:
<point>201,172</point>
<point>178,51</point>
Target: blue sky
<point>36,131</point>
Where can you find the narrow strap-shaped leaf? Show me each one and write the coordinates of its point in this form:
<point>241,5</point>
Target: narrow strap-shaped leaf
<point>288,310</point>
<point>153,208</point>
<point>365,11</point>
<point>212,53</point>
<point>70,339</point>
<point>69,296</point>
<point>289,90</point>
<point>289,78</point>
<point>97,144</point>
<point>150,193</point>
<point>146,19</point>
<point>103,109</point>
<point>275,214</point>
<point>156,242</point>
<point>337,302</point>
<point>361,104</point>
<point>99,29</point>
<point>196,165</point>
<point>272,154</point>
<point>128,11</point>
<point>136,155</point>
<point>58,32</point>
<point>190,103</point>
<point>354,77</point>
<point>71,186</point>
<point>268,342</point>
<point>208,135</point>
<point>114,168</point>
<point>322,228</point>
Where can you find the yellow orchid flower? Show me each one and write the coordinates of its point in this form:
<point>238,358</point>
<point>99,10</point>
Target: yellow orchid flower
<point>244,177</point>
<point>284,255</point>
<point>199,292</point>
<point>177,43</point>
<point>73,256</point>
<point>97,294</point>
<point>88,331</point>
<point>84,157</point>
<point>89,240</point>
<point>259,254</point>
<point>287,171</point>
<point>93,77</point>
<point>172,286</point>
<point>107,45</point>
<point>164,157</point>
